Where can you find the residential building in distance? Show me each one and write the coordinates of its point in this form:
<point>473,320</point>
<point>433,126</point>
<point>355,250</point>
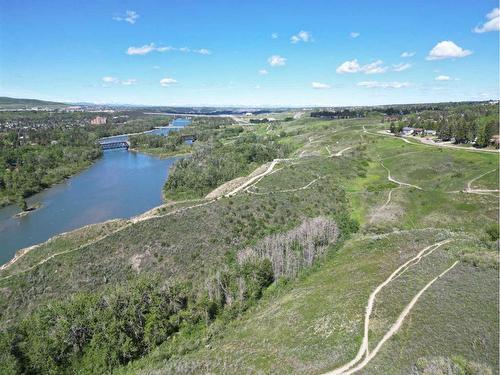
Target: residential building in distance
<point>99,120</point>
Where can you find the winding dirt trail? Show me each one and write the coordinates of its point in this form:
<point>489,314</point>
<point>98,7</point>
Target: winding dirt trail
<point>285,190</point>
<point>390,178</point>
<point>364,348</point>
<point>342,151</point>
<point>470,190</point>
<point>397,325</point>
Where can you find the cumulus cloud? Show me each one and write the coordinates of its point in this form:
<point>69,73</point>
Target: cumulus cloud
<point>353,66</point>
<point>320,86</point>
<point>492,23</point>
<point>165,82</point>
<point>408,54</point>
<point>274,35</point>
<point>400,67</point>
<point>302,36</point>
<point>383,85</point>
<point>442,78</point>
<point>349,67</point>
<point>263,72</point>
<point>276,60</point>
<point>447,50</point>
<point>148,48</point>
<point>130,16</point>
<point>354,34</point>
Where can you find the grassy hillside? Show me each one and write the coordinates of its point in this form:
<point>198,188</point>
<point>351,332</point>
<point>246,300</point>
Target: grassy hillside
<point>406,197</point>
<point>16,103</point>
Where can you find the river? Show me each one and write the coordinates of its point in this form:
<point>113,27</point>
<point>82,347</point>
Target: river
<point>119,185</point>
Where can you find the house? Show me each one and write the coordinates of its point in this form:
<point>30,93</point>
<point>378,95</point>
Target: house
<point>495,141</point>
<point>407,130</point>
<point>99,120</point>
<point>418,131</point>
<point>429,132</point>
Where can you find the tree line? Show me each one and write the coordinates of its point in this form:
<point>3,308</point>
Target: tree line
<point>467,123</point>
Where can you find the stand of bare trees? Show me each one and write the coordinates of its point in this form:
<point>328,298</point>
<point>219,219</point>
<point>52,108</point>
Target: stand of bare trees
<point>292,251</point>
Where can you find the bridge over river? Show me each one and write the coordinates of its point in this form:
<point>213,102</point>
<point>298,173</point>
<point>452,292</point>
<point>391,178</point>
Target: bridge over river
<point>112,145</point>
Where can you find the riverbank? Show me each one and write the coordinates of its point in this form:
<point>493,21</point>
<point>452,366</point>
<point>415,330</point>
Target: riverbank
<point>7,200</point>
<point>161,153</point>
<point>121,184</point>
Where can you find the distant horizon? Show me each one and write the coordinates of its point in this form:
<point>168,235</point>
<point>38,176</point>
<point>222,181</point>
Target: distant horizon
<point>285,106</point>
<point>197,53</point>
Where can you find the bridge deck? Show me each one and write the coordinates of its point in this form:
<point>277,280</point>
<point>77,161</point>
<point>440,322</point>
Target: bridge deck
<point>113,145</point>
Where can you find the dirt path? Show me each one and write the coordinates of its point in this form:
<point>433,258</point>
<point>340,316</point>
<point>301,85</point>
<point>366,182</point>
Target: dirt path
<point>469,184</point>
<point>390,178</point>
<point>364,348</point>
<point>397,325</point>
<point>342,151</point>
<point>470,190</point>
<point>285,190</point>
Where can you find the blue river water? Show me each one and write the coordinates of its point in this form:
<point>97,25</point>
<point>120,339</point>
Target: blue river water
<point>119,185</point>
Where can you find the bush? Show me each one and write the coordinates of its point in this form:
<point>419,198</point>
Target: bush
<point>493,232</point>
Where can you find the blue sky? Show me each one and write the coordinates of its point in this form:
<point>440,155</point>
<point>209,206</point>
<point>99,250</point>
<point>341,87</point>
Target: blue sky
<point>300,53</point>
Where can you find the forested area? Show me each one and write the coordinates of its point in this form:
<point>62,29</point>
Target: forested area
<point>50,156</point>
<point>214,163</point>
<point>466,123</point>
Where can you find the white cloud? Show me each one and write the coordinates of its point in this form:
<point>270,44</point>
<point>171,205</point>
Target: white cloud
<point>108,80</point>
<point>164,49</point>
<point>408,54</point>
<point>129,82</point>
<point>383,85</point>
<point>442,78</point>
<point>354,34</point>
<point>263,72</point>
<point>276,60</point>
<point>145,49</point>
<point>447,50</point>
<point>353,66</point>
<point>257,87</point>
<point>165,82</point>
<point>374,67</point>
<point>130,16</point>
<point>400,67</point>
<point>349,67</point>
<point>493,23</point>
<point>302,36</point>
<point>319,85</point>
<point>274,35</point>
<point>148,48</point>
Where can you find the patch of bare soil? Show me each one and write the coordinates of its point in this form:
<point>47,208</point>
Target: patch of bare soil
<point>233,184</point>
